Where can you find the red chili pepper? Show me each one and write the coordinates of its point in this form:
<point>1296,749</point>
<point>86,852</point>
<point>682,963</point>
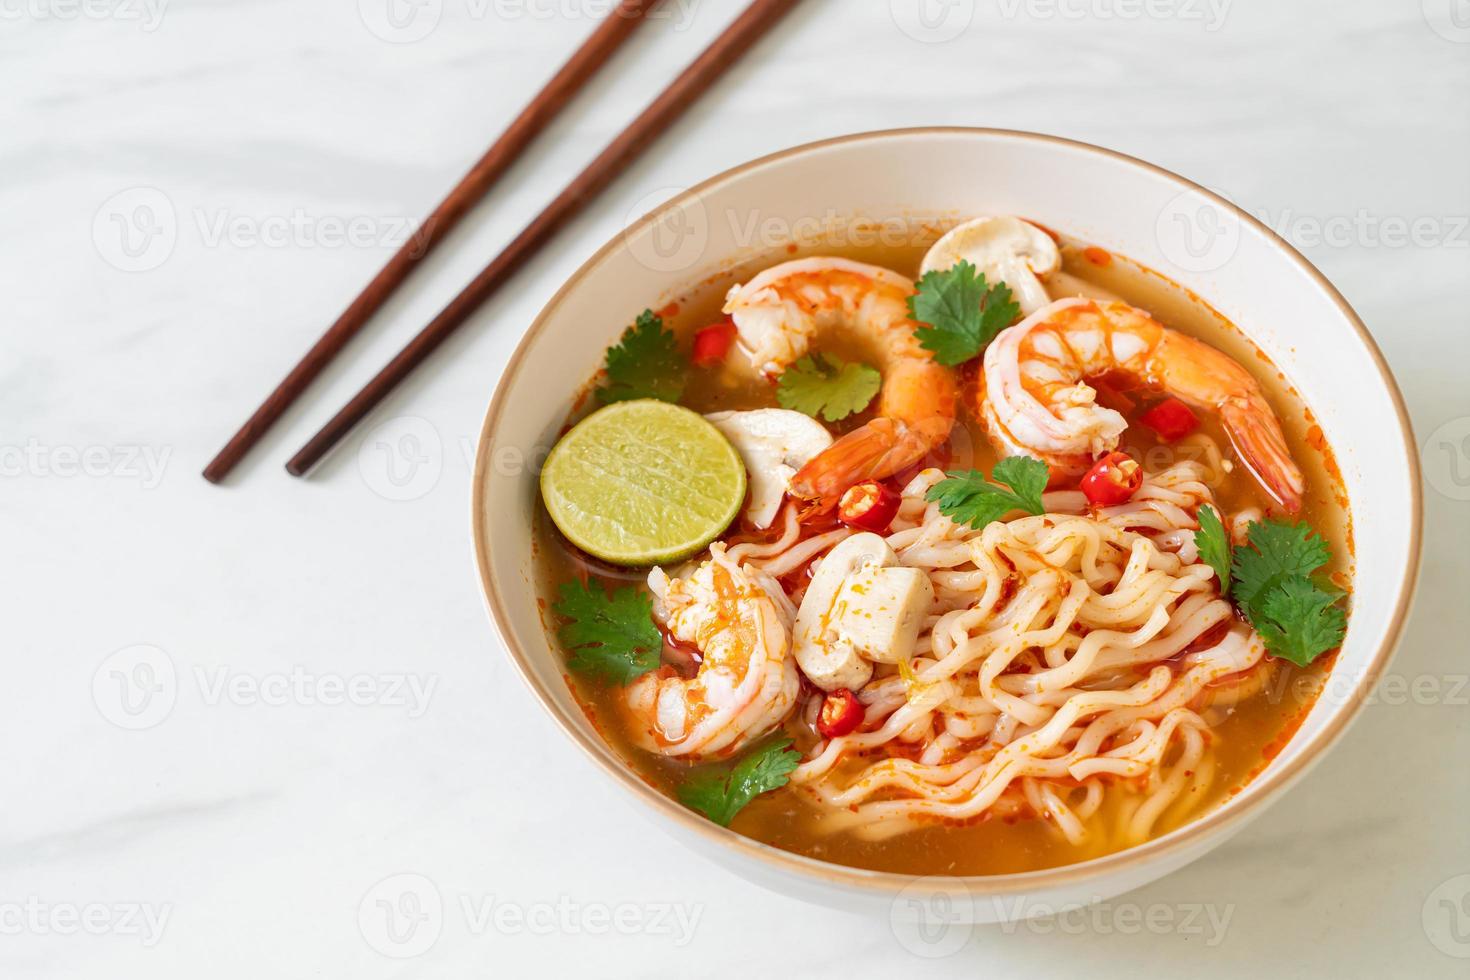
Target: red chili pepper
<point>869,506</point>
<point>713,342</point>
<point>841,714</point>
<point>1110,395</point>
<point>1171,419</point>
<point>1112,480</point>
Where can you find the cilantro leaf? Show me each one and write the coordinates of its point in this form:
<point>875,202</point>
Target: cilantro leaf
<point>1027,477</point>
<point>828,386</point>
<point>645,363</point>
<point>721,791</point>
<point>1278,551</point>
<point>966,497</point>
<point>1214,545</point>
<point>961,312</point>
<point>1299,621</point>
<point>609,636</point>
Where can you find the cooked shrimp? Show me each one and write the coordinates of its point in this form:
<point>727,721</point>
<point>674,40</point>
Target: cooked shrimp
<point>746,685</point>
<point>779,313</point>
<point>1034,400</point>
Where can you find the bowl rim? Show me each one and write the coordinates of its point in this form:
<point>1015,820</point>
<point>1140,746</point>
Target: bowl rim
<point>1265,788</point>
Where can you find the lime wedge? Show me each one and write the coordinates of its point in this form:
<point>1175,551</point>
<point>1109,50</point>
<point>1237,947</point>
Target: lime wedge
<point>643,482</point>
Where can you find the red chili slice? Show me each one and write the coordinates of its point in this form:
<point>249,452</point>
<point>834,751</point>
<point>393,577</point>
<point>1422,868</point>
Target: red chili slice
<point>1114,479</point>
<point>1171,419</point>
<point>713,342</point>
<point>869,506</point>
<point>841,714</point>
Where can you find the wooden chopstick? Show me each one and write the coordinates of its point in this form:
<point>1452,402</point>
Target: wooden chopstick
<point>615,28</point>
<point>739,37</point>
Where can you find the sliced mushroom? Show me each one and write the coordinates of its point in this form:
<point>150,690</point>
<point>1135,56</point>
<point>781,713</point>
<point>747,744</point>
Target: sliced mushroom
<point>774,443</point>
<point>1007,250</point>
<point>861,607</point>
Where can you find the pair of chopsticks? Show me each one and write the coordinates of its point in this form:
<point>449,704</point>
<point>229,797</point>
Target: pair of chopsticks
<point>672,102</point>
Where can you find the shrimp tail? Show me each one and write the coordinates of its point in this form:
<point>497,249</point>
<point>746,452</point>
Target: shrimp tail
<point>879,449</point>
<point>1259,442</point>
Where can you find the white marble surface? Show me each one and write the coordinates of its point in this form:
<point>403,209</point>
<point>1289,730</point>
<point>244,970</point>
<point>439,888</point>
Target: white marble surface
<point>252,820</point>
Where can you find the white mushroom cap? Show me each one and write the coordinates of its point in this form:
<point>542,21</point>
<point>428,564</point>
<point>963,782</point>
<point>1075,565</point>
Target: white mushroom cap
<point>1007,250</point>
<point>774,443</point>
<point>860,608</point>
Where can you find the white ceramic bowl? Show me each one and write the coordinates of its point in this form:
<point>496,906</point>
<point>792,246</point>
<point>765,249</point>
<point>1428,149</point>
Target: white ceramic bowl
<point>1129,207</point>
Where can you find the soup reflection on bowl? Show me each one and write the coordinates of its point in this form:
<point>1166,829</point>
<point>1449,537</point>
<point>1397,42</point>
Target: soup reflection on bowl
<point>934,503</point>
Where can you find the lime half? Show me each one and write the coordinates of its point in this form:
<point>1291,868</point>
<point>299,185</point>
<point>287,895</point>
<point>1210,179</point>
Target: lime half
<point>643,482</point>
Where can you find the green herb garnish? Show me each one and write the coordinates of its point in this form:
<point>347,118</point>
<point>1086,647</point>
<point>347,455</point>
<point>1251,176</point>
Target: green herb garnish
<point>827,386</point>
<point>609,636</point>
<point>1278,552</point>
<point>1298,619</point>
<point>966,496</point>
<point>645,363</point>
<point>1270,579</point>
<point>1214,545</point>
<point>722,790</point>
<point>961,312</point>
